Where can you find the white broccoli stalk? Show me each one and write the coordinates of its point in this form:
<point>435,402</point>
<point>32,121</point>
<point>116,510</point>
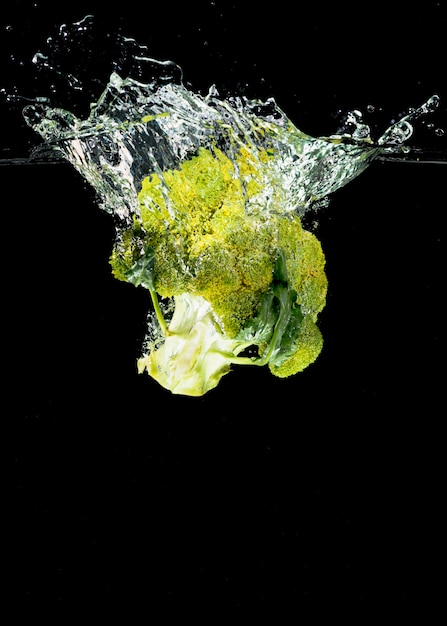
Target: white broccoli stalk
<point>195,353</point>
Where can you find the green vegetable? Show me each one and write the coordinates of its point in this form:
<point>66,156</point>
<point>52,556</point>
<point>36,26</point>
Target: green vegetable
<point>207,195</point>
<point>245,282</point>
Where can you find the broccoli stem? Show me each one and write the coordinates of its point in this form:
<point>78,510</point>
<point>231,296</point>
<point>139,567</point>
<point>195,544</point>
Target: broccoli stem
<point>246,360</point>
<point>233,357</point>
<point>242,360</point>
<point>158,312</point>
<point>278,331</point>
<point>238,360</point>
<point>256,360</point>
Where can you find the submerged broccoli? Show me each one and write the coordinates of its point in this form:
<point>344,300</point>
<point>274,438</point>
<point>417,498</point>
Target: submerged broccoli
<point>207,195</point>
<point>232,281</point>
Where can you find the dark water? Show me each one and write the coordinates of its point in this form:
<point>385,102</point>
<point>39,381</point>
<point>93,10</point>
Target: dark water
<point>323,489</point>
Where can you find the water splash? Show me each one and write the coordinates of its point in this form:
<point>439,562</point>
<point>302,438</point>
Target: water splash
<point>137,128</point>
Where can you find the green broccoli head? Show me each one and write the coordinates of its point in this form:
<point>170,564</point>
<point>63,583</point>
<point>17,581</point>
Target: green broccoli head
<point>246,280</point>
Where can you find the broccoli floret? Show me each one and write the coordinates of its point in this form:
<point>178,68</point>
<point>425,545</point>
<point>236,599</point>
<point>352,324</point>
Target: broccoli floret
<point>247,282</point>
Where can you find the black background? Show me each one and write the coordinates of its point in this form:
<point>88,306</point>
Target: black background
<point>320,491</point>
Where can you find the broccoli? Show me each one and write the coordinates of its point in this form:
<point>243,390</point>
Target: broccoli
<point>231,282</point>
<point>208,196</point>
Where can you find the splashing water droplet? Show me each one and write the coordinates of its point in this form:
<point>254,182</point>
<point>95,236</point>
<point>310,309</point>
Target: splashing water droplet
<point>156,126</point>
<point>40,60</point>
<point>431,105</point>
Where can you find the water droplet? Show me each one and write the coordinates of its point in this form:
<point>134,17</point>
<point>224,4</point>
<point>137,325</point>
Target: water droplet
<point>40,59</point>
<point>74,82</point>
<point>63,30</point>
<point>84,24</point>
<point>440,132</point>
<point>431,104</point>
